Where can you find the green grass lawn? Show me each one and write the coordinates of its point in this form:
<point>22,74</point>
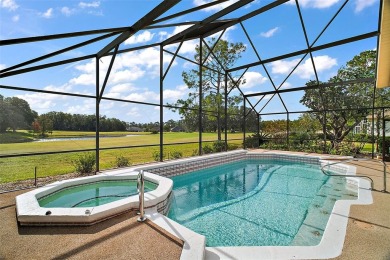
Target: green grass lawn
<point>22,168</point>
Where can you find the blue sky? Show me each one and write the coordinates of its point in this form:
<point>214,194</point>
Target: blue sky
<point>135,75</point>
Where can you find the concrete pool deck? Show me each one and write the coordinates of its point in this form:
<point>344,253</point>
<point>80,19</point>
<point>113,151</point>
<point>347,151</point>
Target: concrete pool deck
<point>368,232</point>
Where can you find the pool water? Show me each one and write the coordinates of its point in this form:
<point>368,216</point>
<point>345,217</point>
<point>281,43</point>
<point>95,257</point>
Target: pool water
<point>258,202</point>
<point>93,194</point>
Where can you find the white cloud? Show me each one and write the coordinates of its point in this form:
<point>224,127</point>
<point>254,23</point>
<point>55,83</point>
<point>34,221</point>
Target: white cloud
<point>122,88</point>
<point>96,13</point>
<point>128,68</point>
<point>163,35</point>
<point>270,32</point>
<point>304,70</point>
<point>134,111</point>
<point>172,94</point>
<point>9,4</point>
<point>63,88</point>
<point>48,14</point>
<point>177,93</point>
<point>286,85</point>
<point>322,63</point>
<point>147,96</point>
<point>40,102</point>
<point>66,11</point>
<point>143,37</point>
<point>253,79</point>
<point>94,4</point>
<point>84,79</point>
<point>88,106</point>
<point>127,75</point>
<point>15,18</point>
<point>2,66</point>
<point>188,47</point>
<point>283,67</point>
<point>361,4</point>
<point>315,3</point>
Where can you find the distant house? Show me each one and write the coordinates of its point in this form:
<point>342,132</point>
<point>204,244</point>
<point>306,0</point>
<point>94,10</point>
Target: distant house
<point>364,127</point>
<point>177,129</point>
<point>134,129</point>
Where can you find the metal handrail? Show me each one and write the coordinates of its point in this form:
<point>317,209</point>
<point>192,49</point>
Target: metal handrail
<point>141,191</point>
<point>384,176</point>
<point>356,176</point>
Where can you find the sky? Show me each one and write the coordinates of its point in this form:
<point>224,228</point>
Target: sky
<point>135,75</point>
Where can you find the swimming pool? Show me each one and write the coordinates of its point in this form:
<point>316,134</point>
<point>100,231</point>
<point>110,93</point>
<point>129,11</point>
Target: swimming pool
<point>258,202</point>
<point>92,194</point>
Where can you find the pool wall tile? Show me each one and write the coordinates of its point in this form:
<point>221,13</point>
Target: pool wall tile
<point>178,167</point>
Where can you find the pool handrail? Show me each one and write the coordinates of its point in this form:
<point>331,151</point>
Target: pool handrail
<point>141,191</point>
<point>357,176</point>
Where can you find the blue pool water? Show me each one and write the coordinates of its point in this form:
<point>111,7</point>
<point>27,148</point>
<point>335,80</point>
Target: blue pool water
<point>258,203</point>
<point>93,194</point>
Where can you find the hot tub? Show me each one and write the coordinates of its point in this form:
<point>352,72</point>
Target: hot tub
<point>71,202</point>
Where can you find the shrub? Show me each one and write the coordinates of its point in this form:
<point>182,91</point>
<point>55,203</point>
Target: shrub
<point>219,146</point>
<point>345,149</point>
<point>207,149</point>
<point>85,163</point>
<point>231,147</point>
<point>195,152</point>
<point>255,140</point>
<point>122,161</point>
<point>299,138</point>
<point>387,145</point>
<point>176,154</point>
<point>156,156</point>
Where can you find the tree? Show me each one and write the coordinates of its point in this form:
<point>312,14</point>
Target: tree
<point>306,122</point>
<point>224,55</point>
<point>36,127</point>
<point>45,124</point>
<point>15,113</point>
<point>351,102</point>
<point>3,117</point>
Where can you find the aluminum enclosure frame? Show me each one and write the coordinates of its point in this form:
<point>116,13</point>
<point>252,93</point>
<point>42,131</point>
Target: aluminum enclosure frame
<point>197,30</point>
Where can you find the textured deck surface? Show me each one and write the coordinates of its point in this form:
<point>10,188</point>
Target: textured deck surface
<point>121,237</point>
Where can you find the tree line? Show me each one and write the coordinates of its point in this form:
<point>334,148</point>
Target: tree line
<point>16,113</point>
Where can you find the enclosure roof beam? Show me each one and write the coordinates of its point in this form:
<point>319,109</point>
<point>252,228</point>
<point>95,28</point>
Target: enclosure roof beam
<point>60,36</point>
<point>348,82</point>
<point>43,57</point>
<point>206,21</point>
<point>140,24</point>
<point>321,111</point>
<point>170,25</point>
<point>169,17</point>
<point>58,63</point>
<point>305,51</point>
